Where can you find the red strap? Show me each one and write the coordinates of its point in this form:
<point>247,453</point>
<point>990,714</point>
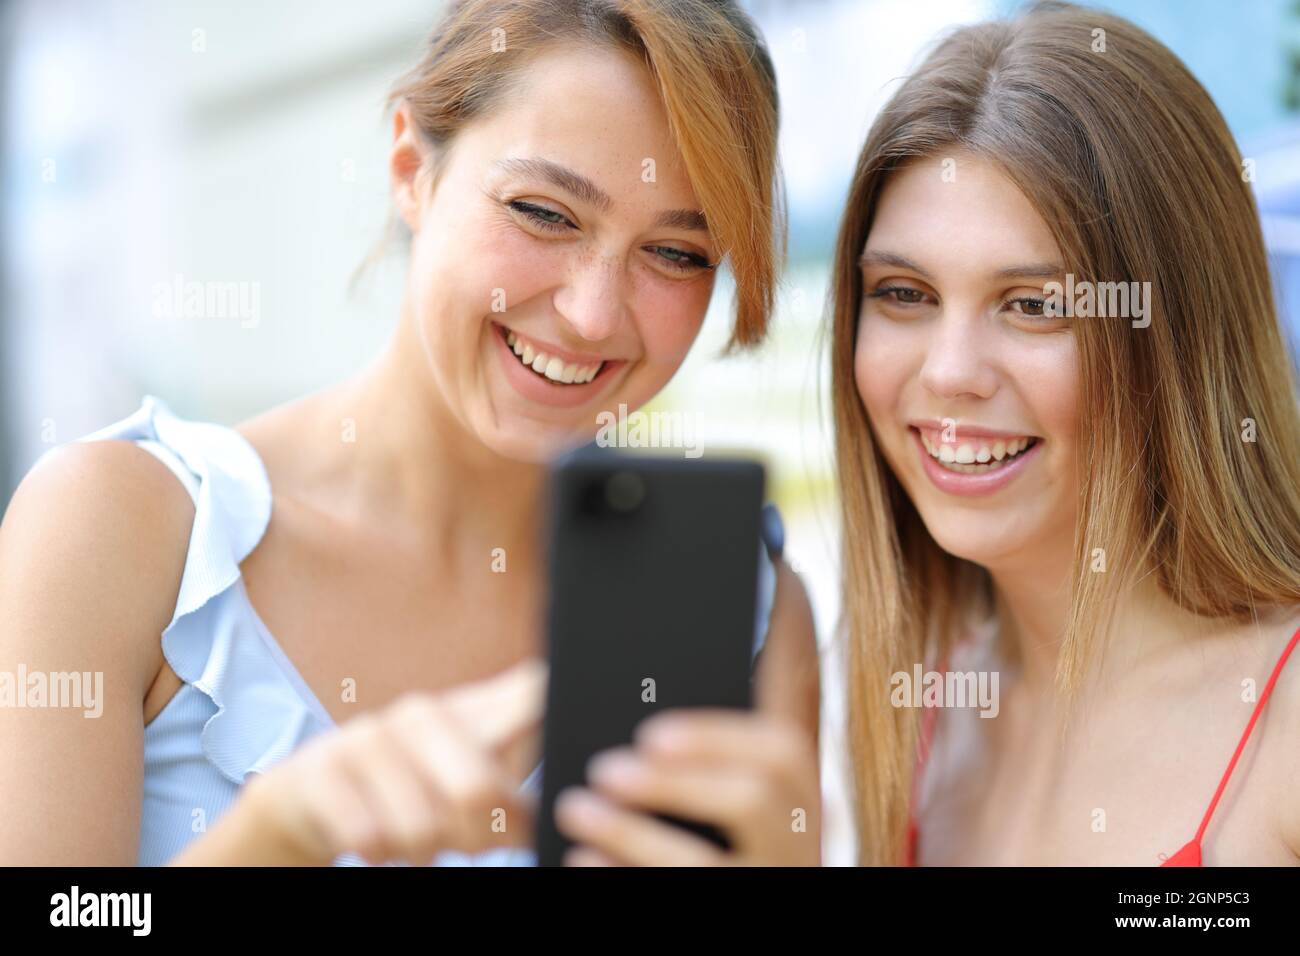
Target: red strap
<point>1184,857</point>
<point>1241,745</point>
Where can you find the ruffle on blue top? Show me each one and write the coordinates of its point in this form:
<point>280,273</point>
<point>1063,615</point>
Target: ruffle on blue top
<point>243,706</point>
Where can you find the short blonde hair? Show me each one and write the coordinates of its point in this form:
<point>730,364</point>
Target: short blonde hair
<point>718,87</point>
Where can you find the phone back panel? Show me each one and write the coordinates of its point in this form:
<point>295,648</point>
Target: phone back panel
<point>654,566</point>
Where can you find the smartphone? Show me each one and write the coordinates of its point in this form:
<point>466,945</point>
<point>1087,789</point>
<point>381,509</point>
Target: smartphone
<point>653,591</point>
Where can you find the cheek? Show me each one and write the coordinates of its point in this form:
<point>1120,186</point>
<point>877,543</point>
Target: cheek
<point>503,267</point>
<point>1049,384</point>
<point>1065,422</point>
<point>479,269</point>
<point>883,360</point>
<point>668,317</point>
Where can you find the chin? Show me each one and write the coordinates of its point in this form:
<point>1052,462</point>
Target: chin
<point>530,443</point>
<point>984,540</point>
<point>975,553</point>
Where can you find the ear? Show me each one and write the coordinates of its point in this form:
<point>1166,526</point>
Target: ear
<point>405,161</point>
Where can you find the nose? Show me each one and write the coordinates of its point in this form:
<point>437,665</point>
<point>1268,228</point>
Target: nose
<point>956,360</point>
<point>592,302</point>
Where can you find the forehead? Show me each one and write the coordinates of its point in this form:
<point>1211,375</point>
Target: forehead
<point>959,212</point>
<point>594,109</point>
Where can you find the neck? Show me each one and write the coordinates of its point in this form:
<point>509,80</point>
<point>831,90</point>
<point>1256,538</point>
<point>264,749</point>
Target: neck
<point>1033,606</point>
<point>415,472</point>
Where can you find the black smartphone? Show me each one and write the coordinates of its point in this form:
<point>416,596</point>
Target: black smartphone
<point>653,590</point>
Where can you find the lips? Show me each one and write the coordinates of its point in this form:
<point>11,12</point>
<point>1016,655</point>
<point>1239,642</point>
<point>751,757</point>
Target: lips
<point>543,380</point>
<point>546,361</point>
<point>972,461</point>
<point>977,456</point>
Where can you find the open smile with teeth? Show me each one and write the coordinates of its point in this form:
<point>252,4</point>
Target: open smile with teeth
<point>550,367</point>
<point>978,455</point>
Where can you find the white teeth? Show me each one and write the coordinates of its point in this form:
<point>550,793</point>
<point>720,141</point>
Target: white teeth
<point>971,459</point>
<point>552,368</point>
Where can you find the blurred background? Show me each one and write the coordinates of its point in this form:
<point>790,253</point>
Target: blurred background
<point>145,144</point>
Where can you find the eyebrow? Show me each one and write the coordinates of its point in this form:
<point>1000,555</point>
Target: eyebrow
<point>579,186</point>
<point>682,219</point>
<point>573,183</point>
<point>1032,270</point>
<point>878,257</point>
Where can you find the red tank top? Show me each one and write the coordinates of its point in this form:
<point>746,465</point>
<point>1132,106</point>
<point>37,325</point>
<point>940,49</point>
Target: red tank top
<point>1190,854</point>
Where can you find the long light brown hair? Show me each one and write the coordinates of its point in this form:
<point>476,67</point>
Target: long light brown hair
<point>1127,160</point>
<point>714,75</point>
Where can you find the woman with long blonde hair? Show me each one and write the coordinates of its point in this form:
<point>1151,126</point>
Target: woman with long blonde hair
<point>1069,454</point>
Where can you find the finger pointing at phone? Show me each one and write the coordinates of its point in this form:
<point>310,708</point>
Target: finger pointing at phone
<point>430,772</point>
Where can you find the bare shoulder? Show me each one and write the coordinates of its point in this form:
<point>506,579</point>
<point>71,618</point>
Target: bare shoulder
<point>93,544</point>
<point>788,680</point>
<point>92,549</point>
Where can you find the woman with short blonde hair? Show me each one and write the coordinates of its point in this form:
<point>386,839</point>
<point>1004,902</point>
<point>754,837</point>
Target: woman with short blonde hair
<point>309,654</point>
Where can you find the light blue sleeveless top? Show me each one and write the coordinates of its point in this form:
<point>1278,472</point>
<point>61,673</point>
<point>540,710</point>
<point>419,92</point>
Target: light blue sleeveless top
<point>243,706</point>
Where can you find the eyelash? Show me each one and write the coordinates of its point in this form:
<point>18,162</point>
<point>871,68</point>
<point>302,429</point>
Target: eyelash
<point>537,215</point>
<point>892,290</point>
<point>887,291</point>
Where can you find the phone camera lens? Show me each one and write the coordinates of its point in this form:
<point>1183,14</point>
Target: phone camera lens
<point>624,491</point>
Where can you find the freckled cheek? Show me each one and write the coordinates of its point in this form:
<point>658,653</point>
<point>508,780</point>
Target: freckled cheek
<point>508,268</point>
<point>668,316</point>
<point>480,266</point>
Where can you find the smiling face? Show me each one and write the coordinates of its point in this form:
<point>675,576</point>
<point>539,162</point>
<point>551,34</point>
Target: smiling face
<point>971,392</point>
<point>550,239</point>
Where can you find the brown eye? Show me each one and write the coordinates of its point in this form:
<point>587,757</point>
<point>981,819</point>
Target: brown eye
<point>902,294</point>
<point>1029,306</point>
